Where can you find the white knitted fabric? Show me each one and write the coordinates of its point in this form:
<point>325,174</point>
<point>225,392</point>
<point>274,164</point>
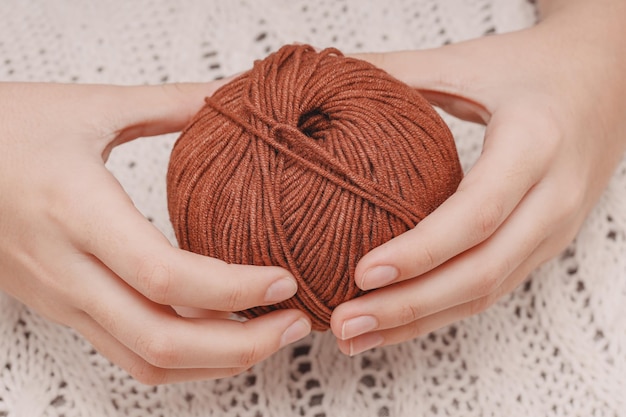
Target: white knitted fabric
<point>554,347</point>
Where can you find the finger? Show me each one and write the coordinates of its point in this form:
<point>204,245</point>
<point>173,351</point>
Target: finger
<point>129,112</point>
<point>135,250</point>
<point>121,113</point>
<point>433,322</point>
<point>436,73</point>
<point>475,274</point>
<point>453,76</point>
<point>436,68</point>
<point>157,109</point>
<point>200,313</point>
<point>135,365</point>
<point>509,166</point>
<point>165,340</point>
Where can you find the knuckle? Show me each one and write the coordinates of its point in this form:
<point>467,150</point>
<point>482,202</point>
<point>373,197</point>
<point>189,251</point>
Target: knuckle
<point>249,356</point>
<point>488,218</point>
<point>233,300</point>
<point>426,258</point>
<point>154,279</point>
<point>409,313</point>
<point>147,374</point>
<point>158,350</point>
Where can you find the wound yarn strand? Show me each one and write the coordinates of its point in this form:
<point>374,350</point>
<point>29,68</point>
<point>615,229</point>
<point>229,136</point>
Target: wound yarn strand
<point>308,161</point>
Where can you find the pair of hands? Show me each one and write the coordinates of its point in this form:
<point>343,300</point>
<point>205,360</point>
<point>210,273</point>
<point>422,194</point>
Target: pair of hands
<point>73,247</point>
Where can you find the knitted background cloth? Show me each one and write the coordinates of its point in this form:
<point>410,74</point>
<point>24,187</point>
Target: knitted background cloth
<point>556,346</point>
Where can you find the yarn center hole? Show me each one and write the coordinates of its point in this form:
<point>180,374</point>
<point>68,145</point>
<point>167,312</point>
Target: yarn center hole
<point>314,123</point>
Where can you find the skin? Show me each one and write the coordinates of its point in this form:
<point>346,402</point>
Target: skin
<point>74,248</point>
<point>553,99</point>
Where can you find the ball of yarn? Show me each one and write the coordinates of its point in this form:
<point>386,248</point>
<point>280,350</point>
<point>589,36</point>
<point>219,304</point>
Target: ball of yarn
<point>308,161</point>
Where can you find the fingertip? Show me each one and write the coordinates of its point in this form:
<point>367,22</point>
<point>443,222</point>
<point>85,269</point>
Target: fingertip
<point>377,256</point>
<point>376,269</point>
<point>280,290</point>
<point>297,330</point>
<point>287,325</point>
<point>405,256</point>
<point>342,313</point>
<point>378,276</point>
<point>336,323</point>
<point>344,346</point>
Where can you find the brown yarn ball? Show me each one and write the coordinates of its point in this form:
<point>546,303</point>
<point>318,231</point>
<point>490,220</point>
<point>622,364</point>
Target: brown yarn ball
<point>308,161</point>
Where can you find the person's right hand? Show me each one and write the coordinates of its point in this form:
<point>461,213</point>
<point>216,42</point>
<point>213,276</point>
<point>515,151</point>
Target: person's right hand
<point>74,248</point>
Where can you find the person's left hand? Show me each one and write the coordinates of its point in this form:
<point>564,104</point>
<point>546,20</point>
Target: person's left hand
<point>553,98</point>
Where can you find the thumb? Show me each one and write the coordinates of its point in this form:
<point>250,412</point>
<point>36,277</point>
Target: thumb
<point>149,110</point>
<point>450,77</point>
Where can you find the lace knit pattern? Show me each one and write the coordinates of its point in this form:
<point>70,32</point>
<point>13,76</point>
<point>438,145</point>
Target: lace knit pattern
<point>554,347</point>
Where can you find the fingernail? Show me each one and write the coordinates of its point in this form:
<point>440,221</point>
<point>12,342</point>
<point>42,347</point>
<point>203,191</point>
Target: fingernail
<point>295,332</point>
<point>379,276</point>
<point>281,290</point>
<point>357,326</point>
<point>365,342</point>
